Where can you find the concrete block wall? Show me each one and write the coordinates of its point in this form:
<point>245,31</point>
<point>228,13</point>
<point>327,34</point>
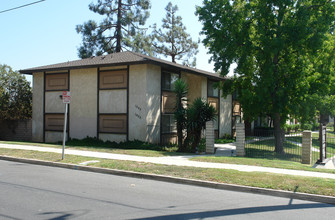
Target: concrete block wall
<point>18,130</point>
<point>240,140</point>
<point>306,147</point>
<point>210,137</point>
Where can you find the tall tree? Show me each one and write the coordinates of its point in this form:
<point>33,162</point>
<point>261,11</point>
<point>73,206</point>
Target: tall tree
<point>172,40</point>
<point>321,82</point>
<point>119,29</point>
<point>15,95</point>
<point>269,41</point>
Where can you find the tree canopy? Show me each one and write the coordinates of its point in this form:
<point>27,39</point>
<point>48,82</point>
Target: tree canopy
<point>321,81</point>
<point>269,41</point>
<point>172,40</point>
<point>120,29</point>
<point>15,95</point>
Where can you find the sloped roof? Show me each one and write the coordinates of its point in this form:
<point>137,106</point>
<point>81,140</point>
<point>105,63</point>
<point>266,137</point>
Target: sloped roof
<point>122,58</point>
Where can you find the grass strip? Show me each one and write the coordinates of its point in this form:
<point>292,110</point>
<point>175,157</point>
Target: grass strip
<point>86,146</point>
<point>284,164</point>
<point>256,179</point>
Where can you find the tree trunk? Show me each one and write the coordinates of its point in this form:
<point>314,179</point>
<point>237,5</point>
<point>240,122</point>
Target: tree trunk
<point>173,58</point>
<point>196,141</point>
<point>118,27</point>
<point>180,137</point>
<point>279,134</point>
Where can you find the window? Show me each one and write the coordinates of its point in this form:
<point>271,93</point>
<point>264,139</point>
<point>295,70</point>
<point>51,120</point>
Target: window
<point>212,90</point>
<point>113,79</point>
<point>57,82</point>
<point>168,80</point>
<point>168,124</point>
<point>113,123</point>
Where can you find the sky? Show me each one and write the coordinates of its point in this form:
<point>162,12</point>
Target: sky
<point>44,33</point>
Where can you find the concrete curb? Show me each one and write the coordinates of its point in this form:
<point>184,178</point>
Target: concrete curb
<point>208,184</point>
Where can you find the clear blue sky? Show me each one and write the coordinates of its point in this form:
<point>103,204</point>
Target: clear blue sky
<point>44,33</point>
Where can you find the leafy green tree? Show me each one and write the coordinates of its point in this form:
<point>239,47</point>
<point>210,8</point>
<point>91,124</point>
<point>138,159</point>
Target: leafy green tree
<point>15,95</point>
<point>119,29</point>
<point>269,41</point>
<point>172,40</point>
<point>321,82</point>
<point>198,113</point>
<point>180,89</point>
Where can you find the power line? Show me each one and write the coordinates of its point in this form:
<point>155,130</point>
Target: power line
<point>22,6</point>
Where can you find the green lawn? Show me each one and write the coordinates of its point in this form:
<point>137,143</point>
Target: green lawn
<point>256,179</point>
<point>134,148</point>
<point>265,149</point>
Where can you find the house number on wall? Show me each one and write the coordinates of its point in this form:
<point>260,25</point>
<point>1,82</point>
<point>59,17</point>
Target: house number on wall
<point>139,109</point>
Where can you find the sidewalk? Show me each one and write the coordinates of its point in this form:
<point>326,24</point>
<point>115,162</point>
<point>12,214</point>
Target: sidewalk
<point>176,160</point>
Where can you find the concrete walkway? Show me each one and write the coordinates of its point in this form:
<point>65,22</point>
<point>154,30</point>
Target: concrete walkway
<point>174,160</point>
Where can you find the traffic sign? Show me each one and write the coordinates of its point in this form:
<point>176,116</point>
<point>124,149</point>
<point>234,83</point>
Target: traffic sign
<point>66,97</point>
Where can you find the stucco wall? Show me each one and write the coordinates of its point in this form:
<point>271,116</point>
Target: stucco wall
<point>113,137</point>
<point>83,107</point>
<point>53,103</point>
<point>225,115</point>
<point>54,137</point>
<point>113,101</point>
<point>144,102</point>
<point>153,103</point>
<point>37,121</point>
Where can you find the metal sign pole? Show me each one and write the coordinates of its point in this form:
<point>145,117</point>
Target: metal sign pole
<point>64,131</point>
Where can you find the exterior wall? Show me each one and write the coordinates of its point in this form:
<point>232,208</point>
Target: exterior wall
<point>197,86</point>
<point>53,137</point>
<point>113,137</point>
<point>113,101</point>
<point>53,103</point>
<point>37,117</point>
<point>153,99</point>
<point>83,107</point>
<point>225,115</point>
<point>144,102</point>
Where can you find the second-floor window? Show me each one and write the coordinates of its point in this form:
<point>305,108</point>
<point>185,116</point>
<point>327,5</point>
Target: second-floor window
<point>212,90</point>
<point>168,80</point>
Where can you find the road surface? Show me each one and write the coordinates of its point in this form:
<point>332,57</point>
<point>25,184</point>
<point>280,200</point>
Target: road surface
<point>38,192</point>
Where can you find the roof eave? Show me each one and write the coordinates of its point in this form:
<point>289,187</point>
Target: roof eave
<point>146,61</point>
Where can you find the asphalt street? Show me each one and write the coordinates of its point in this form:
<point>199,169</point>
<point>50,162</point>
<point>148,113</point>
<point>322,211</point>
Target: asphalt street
<point>39,192</point>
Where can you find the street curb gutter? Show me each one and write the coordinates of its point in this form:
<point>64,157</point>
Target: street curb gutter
<point>208,184</point>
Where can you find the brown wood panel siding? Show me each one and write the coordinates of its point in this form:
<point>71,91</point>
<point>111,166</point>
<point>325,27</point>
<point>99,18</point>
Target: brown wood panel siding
<point>57,82</point>
<point>113,123</point>
<point>168,102</point>
<point>54,122</point>
<point>214,102</point>
<point>113,79</point>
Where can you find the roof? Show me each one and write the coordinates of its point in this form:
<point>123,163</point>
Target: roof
<point>122,58</point>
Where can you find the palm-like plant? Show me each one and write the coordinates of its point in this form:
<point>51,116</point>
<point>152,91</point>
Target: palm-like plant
<point>197,115</point>
<point>180,89</point>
